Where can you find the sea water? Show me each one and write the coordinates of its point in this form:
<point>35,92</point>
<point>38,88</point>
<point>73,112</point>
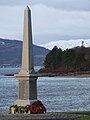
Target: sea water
<point>58,94</point>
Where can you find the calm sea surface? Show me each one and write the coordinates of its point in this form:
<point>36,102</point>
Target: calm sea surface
<point>58,94</point>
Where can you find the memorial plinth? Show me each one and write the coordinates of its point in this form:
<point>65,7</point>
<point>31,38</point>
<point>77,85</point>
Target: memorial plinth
<point>27,87</point>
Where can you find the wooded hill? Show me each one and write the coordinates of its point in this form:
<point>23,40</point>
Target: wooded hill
<point>70,60</point>
<point>11,53</point>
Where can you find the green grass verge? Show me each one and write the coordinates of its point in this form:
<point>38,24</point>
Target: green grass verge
<point>83,118</point>
<point>79,112</point>
<point>2,118</point>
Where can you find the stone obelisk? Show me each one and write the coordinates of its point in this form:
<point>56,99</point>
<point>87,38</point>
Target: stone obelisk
<point>26,77</point>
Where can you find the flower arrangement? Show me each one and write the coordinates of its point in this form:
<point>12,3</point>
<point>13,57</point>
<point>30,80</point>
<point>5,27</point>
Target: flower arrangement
<point>36,108</point>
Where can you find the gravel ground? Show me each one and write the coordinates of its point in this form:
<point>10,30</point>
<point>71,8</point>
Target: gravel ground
<point>50,116</point>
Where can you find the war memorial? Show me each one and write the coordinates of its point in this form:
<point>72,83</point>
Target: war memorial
<point>27,78</point>
<point>27,106</point>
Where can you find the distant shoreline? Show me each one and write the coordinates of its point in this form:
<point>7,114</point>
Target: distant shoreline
<point>69,75</point>
<point>75,76</point>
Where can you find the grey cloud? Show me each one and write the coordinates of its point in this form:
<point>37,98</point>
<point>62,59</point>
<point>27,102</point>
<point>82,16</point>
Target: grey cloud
<point>60,4</point>
<point>66,4</point>
<point>48,24</point>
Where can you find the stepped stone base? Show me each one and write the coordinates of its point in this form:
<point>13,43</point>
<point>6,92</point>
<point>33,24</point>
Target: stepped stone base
<point>24,102</point>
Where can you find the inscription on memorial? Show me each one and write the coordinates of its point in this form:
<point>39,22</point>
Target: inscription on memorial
<point>23,89</point>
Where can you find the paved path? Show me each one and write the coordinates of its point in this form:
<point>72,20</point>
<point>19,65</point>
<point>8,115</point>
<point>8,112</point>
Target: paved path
<point>40,117</point>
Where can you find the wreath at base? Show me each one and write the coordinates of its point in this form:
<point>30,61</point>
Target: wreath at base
<point>36,108</point>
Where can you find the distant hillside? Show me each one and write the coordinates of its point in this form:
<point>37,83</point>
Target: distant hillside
<point>11,53</point>
<point>64,44</point>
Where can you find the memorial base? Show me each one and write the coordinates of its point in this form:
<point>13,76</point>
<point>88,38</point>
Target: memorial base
<point>27,107</point>
<point>24,102</point>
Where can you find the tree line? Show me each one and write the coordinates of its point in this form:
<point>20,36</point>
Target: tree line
<point>70,60</point>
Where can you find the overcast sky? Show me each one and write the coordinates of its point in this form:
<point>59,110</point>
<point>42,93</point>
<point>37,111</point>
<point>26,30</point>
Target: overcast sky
<point>51,19</point>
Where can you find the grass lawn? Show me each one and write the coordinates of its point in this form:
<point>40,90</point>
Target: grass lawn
<point>84,118</point>
<point>80,113</point>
